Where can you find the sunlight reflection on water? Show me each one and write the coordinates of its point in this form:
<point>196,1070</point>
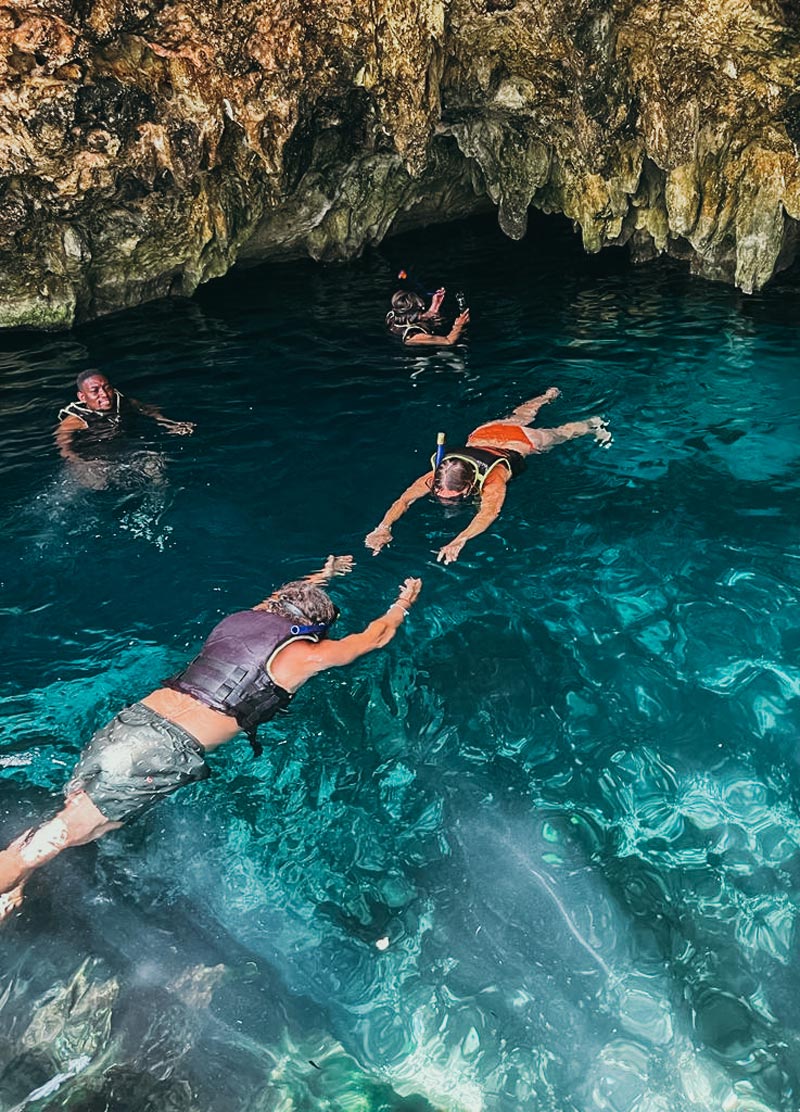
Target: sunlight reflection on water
<point>564,801</point>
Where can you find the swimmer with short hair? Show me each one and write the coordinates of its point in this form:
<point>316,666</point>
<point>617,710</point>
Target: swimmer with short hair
<point>101,414</point>
<point>106,411</point>
<point>249,669</point>
<point>493,454</point>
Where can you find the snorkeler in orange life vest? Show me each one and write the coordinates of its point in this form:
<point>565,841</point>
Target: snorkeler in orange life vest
<point>493,454</point>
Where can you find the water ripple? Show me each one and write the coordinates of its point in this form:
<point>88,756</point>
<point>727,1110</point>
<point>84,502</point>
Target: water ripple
<point>560,811</point>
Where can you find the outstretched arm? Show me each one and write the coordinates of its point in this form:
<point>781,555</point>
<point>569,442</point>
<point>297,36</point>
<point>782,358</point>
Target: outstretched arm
<point>299,661</point>
<point>177,428</point>
<point>334,565</point>
<point>493,496</point>
<point>447,340</point>
<point>382,533</point>
<point>461,321</point>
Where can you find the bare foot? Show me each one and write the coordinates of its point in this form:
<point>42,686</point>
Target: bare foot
<point>10,902</point>
<point>599,427</point>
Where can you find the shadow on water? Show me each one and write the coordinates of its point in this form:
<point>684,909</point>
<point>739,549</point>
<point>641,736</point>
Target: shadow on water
<point>540,853</point>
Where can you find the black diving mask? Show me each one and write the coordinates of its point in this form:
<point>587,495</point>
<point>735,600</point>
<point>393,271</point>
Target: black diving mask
<point>454,507</point>
<point>453,499</point>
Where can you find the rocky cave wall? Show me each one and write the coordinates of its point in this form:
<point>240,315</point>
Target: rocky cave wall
<point>147,145</point>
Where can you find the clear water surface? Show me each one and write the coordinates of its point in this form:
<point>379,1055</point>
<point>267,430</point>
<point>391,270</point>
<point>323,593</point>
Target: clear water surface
<point>567,794</point>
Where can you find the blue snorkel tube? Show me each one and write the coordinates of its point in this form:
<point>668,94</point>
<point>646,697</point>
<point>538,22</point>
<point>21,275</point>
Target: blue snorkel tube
<point>439,450</point>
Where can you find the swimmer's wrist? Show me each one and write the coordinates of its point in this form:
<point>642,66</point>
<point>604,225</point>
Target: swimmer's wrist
<point>403,609</point>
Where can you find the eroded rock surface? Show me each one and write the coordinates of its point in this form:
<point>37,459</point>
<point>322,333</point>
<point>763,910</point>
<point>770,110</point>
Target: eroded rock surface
<point>146,146</point>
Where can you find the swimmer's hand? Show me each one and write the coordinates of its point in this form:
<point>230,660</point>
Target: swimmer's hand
<point>409,593</point>
<point>179,428</point>
<point>450,553</point>
<point>459,324</point>
<point>435,305</point>
<point>551,393</point>
<point>338,565</point>
<point>378,538</point>
<point>436,301</point>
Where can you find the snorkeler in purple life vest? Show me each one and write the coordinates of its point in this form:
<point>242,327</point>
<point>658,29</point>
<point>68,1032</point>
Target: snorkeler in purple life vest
<point>249,668</point>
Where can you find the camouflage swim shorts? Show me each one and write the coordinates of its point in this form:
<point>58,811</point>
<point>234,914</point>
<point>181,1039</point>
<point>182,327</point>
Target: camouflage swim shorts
<point>134,760</point>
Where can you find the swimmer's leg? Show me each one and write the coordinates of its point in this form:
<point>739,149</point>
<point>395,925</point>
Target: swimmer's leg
<point>544,439</point>
<point>525,413</point>
<point>78,823</point>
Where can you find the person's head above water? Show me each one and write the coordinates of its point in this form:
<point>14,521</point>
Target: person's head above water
<point>94,390</point>
<point>303,603</point>
<point>407,306</point>
<point>453,478</point>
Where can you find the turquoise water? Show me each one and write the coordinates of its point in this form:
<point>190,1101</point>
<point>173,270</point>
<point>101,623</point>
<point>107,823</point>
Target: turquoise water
<point>567,794</point>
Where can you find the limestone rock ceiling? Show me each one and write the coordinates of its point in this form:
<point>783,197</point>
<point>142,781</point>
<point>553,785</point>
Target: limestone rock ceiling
<point>146,146</point>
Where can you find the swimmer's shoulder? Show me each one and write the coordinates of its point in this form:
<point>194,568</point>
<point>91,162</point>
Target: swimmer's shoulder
<point>70,422</point>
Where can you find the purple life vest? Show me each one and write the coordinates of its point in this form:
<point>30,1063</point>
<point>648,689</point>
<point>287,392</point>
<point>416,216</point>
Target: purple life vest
<point>230,674</point>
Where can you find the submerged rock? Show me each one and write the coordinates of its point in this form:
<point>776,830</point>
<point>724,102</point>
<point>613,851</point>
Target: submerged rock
<point>148,146</point>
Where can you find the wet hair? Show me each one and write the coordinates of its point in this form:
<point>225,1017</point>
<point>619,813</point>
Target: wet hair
<point>82,377</point>
<point>406,306</point>
<point>453,474</point>
<point>300,599</point>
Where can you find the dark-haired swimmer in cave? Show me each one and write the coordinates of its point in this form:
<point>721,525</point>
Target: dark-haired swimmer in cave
<point>249,668</point>
<point>105,411</point>
<point>408,320</point>
<point>92,429</point>
<point>493,454</point>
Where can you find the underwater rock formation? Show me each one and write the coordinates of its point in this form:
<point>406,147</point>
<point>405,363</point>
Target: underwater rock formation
<point>146,146</point>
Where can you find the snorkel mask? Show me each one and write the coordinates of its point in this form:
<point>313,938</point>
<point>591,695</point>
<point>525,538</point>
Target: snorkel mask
<point>452,501</point>
<point>305,627</point>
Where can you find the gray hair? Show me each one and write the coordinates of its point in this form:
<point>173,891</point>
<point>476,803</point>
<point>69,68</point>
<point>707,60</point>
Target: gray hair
<point>300,599</point>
